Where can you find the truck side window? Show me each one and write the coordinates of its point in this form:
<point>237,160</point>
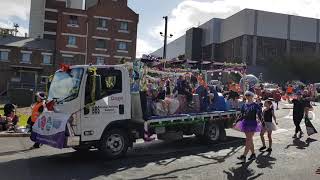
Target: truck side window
<point>111,81</point>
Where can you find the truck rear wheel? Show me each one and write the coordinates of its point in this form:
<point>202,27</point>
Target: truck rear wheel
<point>114,144</point>
<point>214,133</point>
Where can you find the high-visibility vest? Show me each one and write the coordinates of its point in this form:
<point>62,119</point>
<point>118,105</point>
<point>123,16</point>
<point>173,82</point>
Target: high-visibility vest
<point>35,111</point>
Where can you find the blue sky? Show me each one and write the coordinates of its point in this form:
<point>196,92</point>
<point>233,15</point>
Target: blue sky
<point>183,14</point>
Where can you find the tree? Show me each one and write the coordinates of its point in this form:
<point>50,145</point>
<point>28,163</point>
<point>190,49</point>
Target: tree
<point>302,68</point>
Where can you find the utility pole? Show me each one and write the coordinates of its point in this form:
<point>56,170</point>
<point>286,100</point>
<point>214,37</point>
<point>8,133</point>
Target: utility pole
<point>165,35</point>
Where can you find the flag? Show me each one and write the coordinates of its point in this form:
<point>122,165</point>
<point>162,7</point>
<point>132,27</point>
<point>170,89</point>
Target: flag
<point>310,128</point>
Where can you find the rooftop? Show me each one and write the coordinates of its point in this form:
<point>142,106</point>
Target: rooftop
<point>30,43</point>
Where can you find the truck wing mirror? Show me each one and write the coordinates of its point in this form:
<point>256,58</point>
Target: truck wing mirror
<point>49,84</point>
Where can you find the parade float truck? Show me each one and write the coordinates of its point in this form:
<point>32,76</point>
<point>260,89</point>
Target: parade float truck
<point>92,107</point>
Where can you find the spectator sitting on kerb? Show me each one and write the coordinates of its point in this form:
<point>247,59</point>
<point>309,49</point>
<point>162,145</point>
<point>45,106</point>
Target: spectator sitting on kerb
<point>10,119</point>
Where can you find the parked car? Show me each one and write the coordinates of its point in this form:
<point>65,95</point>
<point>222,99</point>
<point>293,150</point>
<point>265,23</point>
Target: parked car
<point>268,90</point>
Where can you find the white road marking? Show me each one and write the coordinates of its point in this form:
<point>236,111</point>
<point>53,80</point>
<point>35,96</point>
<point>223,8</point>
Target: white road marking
<point>278,131</point>
<point>289,115</point>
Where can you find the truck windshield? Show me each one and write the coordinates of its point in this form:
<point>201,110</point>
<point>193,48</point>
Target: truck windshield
<point>65,86</point>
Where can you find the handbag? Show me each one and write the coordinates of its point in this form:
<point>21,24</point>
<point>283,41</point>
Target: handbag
<point>309,126</point>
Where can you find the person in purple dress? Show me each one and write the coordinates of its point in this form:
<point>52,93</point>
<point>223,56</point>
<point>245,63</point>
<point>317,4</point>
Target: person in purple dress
<point>249,124</point>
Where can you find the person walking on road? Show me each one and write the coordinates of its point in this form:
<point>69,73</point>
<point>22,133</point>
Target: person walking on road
<point>37,109</point>
<point>300,106</point>
<point>268,125</point>
<point>277,97</point>
<point>249,124</point>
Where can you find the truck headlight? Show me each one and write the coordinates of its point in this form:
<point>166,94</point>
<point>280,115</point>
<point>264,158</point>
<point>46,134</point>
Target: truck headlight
<point>74,118</point>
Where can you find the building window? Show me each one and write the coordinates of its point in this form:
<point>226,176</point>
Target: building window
<point>46,59</point>
<point>100,60</point>
<point>68,60</point>
<point>25,57</point>
<point>73,20</point>
<point>123,46</point>
<point>4,56</point>
<point>124,26</point>
<point>101,44</point>
<point>44,79</point>
<point>72,40</point>
<point>102,23</point>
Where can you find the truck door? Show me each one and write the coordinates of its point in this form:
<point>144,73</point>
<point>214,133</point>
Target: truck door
<point>110,107</point>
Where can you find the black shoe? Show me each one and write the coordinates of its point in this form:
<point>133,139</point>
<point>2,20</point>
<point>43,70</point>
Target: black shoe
<point>252,157</point>
<point>242,158</point>
<point>301,134</point>
<point>294,136</point>
<point>269,150</point>
<point>36,146</point>
<point>262,148</point>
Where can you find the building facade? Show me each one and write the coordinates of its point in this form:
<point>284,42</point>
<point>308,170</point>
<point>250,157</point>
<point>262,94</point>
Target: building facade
<point>25,62</point>
<point>249,36</point>
<point>92,31</point>
<point>67,32</point>
<point>44,16</point>
<point>105,33</point>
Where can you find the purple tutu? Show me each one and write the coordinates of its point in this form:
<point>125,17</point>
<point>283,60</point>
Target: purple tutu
<point>248,126</point>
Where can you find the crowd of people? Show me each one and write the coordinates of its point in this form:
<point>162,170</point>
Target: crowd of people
<point>187,93</point>
<point>9,119</point>
<point>256,117</point>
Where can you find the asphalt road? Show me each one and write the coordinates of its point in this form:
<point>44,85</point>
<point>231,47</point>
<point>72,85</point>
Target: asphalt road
<point>291,159</point>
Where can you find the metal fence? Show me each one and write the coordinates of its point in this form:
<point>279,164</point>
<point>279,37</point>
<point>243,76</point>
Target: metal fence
<point>27,86</point>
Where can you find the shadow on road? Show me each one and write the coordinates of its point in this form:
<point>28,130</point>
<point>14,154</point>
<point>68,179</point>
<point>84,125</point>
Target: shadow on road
<point>78,166</point>
<point>301,144</point>
<point>14,152</point>
<point>242,173</point>
<point>265,161</point>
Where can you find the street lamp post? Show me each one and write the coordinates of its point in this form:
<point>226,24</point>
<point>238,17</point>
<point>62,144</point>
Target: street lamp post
<point>165,35</point>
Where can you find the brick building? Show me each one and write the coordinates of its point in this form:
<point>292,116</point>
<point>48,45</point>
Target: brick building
<point>69,32</point>
<point>25,62</point>
<point>102,32</point>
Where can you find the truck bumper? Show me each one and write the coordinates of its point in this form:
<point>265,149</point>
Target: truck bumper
<point>73,141</point>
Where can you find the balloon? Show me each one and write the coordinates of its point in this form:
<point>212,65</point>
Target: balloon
<point>248,81</point>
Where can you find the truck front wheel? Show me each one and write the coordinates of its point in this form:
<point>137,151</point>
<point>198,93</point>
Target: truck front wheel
<point>114,144</point>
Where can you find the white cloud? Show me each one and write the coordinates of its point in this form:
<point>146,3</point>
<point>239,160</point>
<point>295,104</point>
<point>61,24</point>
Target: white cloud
<point>143,47</point>
<point>191,13</point>
<point>11,8</point>
<point>9,25</point>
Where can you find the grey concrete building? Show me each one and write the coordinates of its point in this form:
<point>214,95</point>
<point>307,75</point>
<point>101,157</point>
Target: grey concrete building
<point>249,36</point>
